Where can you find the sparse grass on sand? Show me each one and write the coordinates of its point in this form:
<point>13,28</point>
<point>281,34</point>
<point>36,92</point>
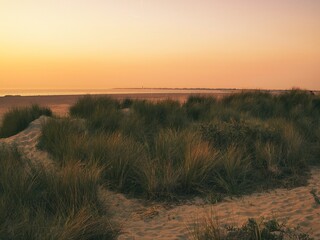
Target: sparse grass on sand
<point>17,119</point>
<point>37,204</point>
<point>262,229</point>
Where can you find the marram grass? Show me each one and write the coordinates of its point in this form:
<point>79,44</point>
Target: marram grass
<point>242,143</point>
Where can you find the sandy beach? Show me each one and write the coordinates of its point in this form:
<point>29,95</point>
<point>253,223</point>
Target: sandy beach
<point>59,104</point>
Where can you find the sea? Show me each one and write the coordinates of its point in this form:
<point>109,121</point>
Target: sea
<point>52,92</point>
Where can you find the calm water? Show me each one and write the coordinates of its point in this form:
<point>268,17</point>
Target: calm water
<point>41,92</point>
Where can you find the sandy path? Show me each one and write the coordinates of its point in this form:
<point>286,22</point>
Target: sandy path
<point>157,221</point>
<point>27,140</point>
<point>297,206</point>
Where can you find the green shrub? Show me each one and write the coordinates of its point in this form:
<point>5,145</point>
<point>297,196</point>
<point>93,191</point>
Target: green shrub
<point>17,119</point>
<point>222,134</point>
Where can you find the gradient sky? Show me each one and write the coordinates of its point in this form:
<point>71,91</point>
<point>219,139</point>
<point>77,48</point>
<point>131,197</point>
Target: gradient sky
<point>160,43</point>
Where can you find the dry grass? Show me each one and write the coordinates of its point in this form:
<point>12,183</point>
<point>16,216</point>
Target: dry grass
<point>36,204</point>
<point>17,119</point>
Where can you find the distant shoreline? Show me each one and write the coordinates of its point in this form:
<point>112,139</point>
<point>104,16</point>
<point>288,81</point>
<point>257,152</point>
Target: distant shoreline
<point>113,91</point>
<point>60,104</point>
<point>119,91</point>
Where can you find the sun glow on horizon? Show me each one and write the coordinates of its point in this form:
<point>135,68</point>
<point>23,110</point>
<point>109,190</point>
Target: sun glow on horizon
<point>130,43</point>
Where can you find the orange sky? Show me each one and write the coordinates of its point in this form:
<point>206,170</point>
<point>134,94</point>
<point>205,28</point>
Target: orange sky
<point>160,43</point>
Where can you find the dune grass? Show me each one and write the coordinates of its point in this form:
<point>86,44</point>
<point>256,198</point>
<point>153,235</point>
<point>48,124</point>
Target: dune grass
<point>161,150</point>
<point>198,108</point>
<point>37,204</point>
<point>261,229</point>
<point>87,106</point>
<point>130,166</point>
<point>17,119</point>
<point>157,150</point>
<point>180,163</point>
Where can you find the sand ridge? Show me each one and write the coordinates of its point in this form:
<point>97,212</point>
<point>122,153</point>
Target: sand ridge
<point>27,141</point>
<point>139,220</point>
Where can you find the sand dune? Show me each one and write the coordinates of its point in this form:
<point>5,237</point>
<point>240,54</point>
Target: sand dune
<point>141,220</point>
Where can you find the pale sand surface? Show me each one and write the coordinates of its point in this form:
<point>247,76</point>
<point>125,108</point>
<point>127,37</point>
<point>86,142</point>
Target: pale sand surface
<point>141,220</point>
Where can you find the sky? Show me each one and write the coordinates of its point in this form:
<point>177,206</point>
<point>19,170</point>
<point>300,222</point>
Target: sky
<point>272,44</point>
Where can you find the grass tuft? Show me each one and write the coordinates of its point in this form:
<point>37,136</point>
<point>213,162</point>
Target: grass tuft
<point>36,204</point>
<point>17,119</point>
<point>86,106</point>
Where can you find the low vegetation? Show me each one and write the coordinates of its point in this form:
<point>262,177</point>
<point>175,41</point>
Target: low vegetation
<point>315,196</point>
<point>39,204</point>
<point>210,229</point>
<point>163,150</point>
<point>17,119</point>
